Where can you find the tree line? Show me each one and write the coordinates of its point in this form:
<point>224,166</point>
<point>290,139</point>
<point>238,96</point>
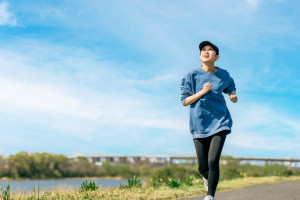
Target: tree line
<point>46,165</point>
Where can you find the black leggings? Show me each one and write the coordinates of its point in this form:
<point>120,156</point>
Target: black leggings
<point>208,153</point>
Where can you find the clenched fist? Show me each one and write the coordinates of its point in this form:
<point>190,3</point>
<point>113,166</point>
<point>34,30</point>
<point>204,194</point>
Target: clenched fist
<point>233,98</point>
<point>206,88</point>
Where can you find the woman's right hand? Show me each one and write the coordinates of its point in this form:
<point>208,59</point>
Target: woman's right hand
<point>206,88</point>
<point>193,98</point>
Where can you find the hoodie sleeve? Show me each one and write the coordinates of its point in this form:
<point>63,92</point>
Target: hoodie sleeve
<point>231,86</point>
<point>186,88</point>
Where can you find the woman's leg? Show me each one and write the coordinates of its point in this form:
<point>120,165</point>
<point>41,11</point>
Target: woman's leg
<point>214,154</point>
<point>202,148</point>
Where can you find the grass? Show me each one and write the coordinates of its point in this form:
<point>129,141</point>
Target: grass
<point>5,194</point>
<point>133,182</point>
<point>88,186</point>
<point>162,189</point>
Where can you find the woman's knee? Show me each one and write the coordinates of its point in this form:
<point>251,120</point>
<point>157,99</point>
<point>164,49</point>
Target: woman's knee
<point>213,164</point>
<point>202,168</point>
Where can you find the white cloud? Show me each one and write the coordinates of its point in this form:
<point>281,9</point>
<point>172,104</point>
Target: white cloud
<point>41,97</point>
<point>253,4</point>
<point>262,127</point>
<point>22,96</point>
<point>157,82</point>
<point>56,86</point>
<point>7,17</point>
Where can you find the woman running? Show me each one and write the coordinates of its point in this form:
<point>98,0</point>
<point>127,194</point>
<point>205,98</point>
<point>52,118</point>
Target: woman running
<point>210,120</point>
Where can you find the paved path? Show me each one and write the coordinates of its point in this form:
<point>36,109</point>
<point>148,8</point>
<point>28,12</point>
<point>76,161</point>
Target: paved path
<point>276,191</point>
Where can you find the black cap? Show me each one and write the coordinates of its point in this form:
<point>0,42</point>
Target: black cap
<point>204,43</point>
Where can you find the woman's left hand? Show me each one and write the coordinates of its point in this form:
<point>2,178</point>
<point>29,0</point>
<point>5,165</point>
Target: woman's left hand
<point>233,98</point>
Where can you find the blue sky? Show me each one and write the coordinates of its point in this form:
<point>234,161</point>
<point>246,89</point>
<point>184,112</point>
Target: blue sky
<point>103,77</point>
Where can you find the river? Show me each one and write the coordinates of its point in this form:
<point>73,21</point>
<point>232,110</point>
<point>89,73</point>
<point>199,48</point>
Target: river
<point>30,185</point>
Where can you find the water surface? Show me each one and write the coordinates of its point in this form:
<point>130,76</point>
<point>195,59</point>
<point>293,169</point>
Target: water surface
<point>29,185</point>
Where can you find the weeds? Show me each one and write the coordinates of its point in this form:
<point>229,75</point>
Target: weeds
<point>38,193</point>
<point>156,183</point>
<point>5,194</point>
<point>88,186</point>
<point>134,182</point>
<point>189,180</point>
<point>173,183</point>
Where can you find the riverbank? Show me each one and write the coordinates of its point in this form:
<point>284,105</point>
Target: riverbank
<point>69,178</point>
<point>27,186</point>
<point>149,192</point>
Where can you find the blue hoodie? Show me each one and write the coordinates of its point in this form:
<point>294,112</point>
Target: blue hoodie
<point>209,114</point>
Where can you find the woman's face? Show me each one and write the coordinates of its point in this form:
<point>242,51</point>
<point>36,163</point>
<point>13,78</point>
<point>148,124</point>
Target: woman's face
<point>208,54</point>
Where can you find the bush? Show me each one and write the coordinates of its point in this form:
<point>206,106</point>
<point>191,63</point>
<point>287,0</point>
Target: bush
<point>126,171</point>
<point>173,171</point>
<point>172,183</point>
<point>189,180</point>
<point>233,169</point>
<point>145,170</point>
<point>156,183</point>
<point>110,170</point>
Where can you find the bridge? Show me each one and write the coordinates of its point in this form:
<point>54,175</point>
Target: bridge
<point>289,162</point>
<point>155,160</point>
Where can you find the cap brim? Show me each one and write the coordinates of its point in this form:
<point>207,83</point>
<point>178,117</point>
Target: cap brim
<point>204,43</point>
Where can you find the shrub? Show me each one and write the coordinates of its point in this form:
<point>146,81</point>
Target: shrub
<point>173,171</point>
<point>233,169</point>
<point>145,170</point>
<point>173,183</point>
<point>126,171</point>
<point>230,170</point>
<point>156,183</point>
<point>189,180</point>
<point>109,169</point>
